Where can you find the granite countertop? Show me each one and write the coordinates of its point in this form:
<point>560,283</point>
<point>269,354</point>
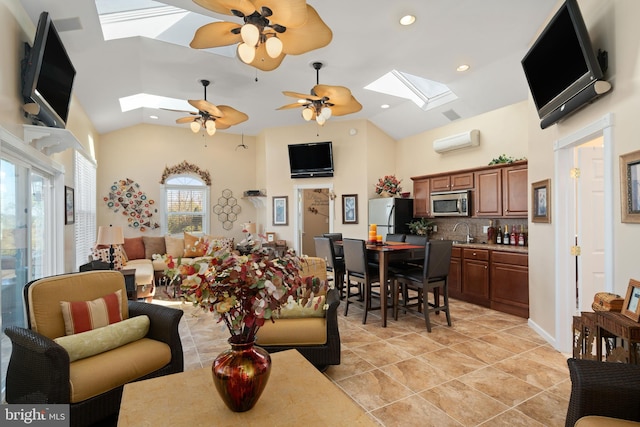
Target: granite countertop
<point>493,247</point>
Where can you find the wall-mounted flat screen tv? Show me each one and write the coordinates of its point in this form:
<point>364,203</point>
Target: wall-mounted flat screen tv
<point>311,160</point>
<point>47,75</point>
<point>561,63</point>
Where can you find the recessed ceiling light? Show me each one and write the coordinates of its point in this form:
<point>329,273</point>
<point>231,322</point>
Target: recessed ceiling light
<point>153,117</point>
<point>384,106</point>
<point>407,20</point>
<point>463,67</point>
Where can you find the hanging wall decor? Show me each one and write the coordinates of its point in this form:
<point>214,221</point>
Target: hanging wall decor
<point>227,209</point>
<point>126,197</point>
<point>185,167</point>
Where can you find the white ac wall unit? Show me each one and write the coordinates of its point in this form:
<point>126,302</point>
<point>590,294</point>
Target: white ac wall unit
<point>455,142</point>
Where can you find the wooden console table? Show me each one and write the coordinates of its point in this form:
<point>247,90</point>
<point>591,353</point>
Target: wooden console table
<point>608,322</point>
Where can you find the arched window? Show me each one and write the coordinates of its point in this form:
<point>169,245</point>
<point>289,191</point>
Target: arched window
<point>186,205</point>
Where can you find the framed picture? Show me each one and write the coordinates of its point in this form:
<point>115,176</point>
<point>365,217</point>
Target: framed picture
<point>280,214</point>
<point>271,236</point>
<point>631,306</point>
<point>541,201</point>
<point>349,208</point>
<point>630,186</point>
<point>69,206</point>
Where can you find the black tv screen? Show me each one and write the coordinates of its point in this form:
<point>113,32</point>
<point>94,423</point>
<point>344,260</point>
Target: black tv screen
<point>561,62</point>
<point>48,74</point>
<point>311,160</point>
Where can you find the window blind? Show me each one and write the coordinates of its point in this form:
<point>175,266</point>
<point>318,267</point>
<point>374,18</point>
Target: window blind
<point>85,212</point>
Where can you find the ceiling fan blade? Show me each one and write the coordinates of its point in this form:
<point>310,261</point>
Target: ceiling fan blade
<point>182,120</point>
<point>290,13</point>
<point>225,6</point>
<point>264,62</point>
<point>206,106</point>
<point>289,106</point>
<point>338,95</point>
<point>231,116</point>
<point>221,126</point>
<point>302,96</point>
<point>314,34</point>
<point>216,34</point>
<point>353,106</point>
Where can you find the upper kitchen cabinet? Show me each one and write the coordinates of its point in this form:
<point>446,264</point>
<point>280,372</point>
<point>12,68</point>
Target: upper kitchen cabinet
<point>421,197</point>
<point>487,201</point>
<point>515,201</point>
<point>461,181</point>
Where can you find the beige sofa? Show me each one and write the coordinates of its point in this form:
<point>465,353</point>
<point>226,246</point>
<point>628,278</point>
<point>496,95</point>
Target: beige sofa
<point>144,254</point>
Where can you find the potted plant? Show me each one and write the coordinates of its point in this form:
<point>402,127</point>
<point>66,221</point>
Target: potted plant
<point>421,227</point>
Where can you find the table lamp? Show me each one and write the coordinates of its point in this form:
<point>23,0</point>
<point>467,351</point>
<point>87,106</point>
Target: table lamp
<point>109,236</point>
<point>250,229</point>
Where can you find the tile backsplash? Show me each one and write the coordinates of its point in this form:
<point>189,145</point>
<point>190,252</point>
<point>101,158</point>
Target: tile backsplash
<point>445,227</point>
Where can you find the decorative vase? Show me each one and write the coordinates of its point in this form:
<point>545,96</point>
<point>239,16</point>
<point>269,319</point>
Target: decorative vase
<point>386,194</point>
<point>240,374</point>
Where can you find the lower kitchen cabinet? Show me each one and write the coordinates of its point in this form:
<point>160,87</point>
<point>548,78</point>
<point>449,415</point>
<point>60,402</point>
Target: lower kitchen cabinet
<point>491,278</point>
<point>510,283</point>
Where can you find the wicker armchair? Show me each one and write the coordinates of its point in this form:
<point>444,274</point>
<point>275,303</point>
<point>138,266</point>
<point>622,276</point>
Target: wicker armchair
<point>603,388</point>
<point>40,371</point>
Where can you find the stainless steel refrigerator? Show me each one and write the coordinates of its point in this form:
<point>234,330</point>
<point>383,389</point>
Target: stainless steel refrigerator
<point>391,215</point>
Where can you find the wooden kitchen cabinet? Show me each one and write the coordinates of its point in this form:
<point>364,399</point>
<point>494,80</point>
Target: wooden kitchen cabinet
<point>510,283</point>
<point>488,193</point>
<point>461,181</point>
<point>421,198</point>
<point>475,276</point>
<point>515,197</point>
<point>455,274</point>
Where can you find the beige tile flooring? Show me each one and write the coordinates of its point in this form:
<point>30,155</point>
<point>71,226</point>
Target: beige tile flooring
<point>488,369</point>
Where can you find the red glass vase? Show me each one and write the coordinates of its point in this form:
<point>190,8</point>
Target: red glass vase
<point>240,374</point>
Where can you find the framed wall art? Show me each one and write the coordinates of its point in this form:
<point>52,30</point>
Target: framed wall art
<point>280,208</point>
<point>69,206</point>
<point>541,201</point>
<point>630,187</point>
<point>349,208</point>
<point>631,306</point>
<point>271,236</point>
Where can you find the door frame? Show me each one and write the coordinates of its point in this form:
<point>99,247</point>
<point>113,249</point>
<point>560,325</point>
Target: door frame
<point>298,213</point>
<point>564,211</point>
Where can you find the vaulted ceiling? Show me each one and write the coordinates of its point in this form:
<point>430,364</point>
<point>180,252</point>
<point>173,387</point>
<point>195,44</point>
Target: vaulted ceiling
<point>491,36</point>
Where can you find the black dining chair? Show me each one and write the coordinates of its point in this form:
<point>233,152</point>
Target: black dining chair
<point>415,260</point>
<point>432,276</point>
<point>395,237</point>
<point>325,250</point>
<point>336,237</point>
<point>364,275</point>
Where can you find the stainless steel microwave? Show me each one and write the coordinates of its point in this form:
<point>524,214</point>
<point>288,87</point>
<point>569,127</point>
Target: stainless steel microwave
<point>451,203</point>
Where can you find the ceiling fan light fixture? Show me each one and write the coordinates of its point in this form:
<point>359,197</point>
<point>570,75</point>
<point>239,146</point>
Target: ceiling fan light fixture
<point>210,124</point>
<point>246,53</point>
<point>320,119</point>
<point>307,114</point>
<point>325,112</point>
<point>195,126</point>
<point>273,46</point>
<point>211,131</point>
<point>250,34</point>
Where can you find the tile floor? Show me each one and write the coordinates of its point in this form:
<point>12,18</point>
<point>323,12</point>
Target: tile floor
<point>488,369</point>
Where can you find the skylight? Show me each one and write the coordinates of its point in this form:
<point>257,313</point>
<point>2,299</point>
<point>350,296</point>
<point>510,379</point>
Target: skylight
<point>151,19</point>
<point>144,100</point>
<point>426,94</point>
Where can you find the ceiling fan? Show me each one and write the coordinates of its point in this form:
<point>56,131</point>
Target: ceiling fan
<point>209,116</point>
<point>271,30</point>
<point>325,101</point>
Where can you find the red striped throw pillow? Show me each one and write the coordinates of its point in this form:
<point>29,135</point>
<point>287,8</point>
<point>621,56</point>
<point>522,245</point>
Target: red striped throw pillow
<point>82,316</point>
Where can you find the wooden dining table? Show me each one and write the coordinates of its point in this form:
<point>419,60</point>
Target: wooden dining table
<point>382,254</point>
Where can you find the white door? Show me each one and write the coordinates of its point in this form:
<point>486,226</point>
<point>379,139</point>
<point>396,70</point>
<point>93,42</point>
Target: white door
<point>590,222</point>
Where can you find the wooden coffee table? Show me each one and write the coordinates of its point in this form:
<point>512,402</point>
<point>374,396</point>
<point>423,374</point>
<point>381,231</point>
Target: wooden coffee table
<point>296,395</point>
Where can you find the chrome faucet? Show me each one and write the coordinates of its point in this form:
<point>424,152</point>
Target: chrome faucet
<point>469,238</point>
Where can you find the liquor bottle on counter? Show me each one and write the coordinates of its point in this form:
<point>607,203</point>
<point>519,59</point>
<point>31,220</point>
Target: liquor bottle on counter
<point>513,239</point>
<point>506,237</point>
<point>491,233</point>
<point>521,236</point>
<point>499,236</point>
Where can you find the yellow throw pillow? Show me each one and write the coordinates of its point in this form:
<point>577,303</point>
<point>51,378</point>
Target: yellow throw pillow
<point>90,343</point>
<point>175,246</point>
